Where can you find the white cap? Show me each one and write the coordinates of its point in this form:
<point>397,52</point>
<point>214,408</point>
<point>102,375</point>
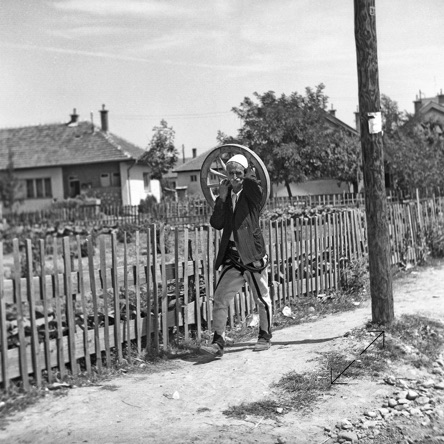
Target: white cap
<point>240,159</point>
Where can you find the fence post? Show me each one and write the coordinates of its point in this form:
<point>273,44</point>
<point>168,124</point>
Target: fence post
<point>3,334</point>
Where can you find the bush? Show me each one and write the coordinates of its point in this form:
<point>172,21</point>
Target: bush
<point>354,276</point>
<point>434,237</point>
<point>149,206</point>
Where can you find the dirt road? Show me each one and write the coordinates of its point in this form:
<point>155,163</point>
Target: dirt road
<point>185,404</point>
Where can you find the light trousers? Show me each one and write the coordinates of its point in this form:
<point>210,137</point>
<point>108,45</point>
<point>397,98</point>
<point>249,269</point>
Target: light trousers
<point>230,282</point>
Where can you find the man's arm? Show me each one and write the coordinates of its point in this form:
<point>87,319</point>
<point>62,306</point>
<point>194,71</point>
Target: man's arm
<point>217,219</point>
<point>252,189</point>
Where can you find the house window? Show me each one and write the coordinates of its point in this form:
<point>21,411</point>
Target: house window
<point>105,180</point>
<point>146,182</point>
<point>193,178</point>
<point>74,186</point>
<point>38,188</point>
<point>115,180</point>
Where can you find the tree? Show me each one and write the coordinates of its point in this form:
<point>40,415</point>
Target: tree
<point>161,154</point>
<point>291,135</point>
<point>11,188</point>
<point>413,149</point>
<point>342,158</point>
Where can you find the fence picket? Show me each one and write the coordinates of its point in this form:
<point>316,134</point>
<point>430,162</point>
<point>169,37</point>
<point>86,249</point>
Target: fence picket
<point>185,284</point>
<point>35,347</point>
<point>84,311</point>
<point>316,261</point>
<point>45,305</point>
<point>20,319</point>
<point>3,332</point>
<point>105,298</point>
<point>177,310</point>
<point>155,289</point>
<point>164,306</point>
<point>271,258</point>
<point>293,252</point>
<point>149,318</point>
<point>205,259</point>
<point>69,306</point>
<point>197,283</point>
<point>127,317</point>
<point>56,289</point>
<point>92,283</point>
<point>137,294</point>
<point>211,257</point>
<point>116,298</point>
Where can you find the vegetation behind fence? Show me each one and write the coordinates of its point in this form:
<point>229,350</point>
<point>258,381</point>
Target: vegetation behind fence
<point>67,308</point>
<point>190,211</point>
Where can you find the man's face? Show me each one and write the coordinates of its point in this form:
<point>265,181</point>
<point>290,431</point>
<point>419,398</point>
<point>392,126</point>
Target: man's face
<point>236,174</point>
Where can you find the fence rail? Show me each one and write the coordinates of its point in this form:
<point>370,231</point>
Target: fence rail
<point>59,315</point>
<point>174,213</point>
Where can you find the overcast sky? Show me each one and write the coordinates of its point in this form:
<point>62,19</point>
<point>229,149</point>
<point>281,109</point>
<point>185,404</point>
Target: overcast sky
<point>191,61</point>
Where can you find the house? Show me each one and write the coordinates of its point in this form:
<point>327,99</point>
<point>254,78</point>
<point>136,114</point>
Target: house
<point>61,161</point>
<point>188,174</point>
<point>430,109</point>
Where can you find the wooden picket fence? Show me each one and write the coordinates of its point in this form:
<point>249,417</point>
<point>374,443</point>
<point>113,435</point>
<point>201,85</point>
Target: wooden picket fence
<point>188,211</point>
<point>64,313</point>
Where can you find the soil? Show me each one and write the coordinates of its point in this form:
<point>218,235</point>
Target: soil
<point>184,402</point>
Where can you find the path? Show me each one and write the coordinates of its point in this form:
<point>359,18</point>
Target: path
<point>140,409</point>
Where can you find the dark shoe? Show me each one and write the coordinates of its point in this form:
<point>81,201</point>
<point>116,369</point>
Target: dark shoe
<point>214,350</point>
<point>262,344</point>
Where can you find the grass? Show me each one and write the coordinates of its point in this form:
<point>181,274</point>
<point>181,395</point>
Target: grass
<point>413,339</point>
<point>416,339</point>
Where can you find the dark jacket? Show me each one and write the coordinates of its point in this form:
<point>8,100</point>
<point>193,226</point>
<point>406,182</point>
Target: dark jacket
<point>244,224</point>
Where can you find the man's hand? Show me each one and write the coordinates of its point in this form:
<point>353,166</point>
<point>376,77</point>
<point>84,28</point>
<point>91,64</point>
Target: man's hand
<point>224,187</point>
<point>251,172</point>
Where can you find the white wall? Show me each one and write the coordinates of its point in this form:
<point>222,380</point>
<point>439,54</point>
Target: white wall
<point>133,189</point>
<point>320,186</point>
<point>38,204</point>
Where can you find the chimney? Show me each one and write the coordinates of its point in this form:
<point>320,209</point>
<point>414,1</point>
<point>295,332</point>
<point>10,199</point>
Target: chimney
<point>104,119</point>
<point>357,120</point>
<point>418,104</point>
<point>441,98</point>
<point>332,111</point>
<point>194,150</point>
<point>74,118</point>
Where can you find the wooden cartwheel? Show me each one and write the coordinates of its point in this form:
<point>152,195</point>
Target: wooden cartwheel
<point>214,171</point>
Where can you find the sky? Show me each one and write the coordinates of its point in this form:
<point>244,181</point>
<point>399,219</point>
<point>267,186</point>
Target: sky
<point>191,61</point>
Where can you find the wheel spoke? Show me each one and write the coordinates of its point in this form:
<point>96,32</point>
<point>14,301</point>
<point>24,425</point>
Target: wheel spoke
<point>217,173</point>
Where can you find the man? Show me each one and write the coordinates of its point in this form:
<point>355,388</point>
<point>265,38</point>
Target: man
<point>242,253</point>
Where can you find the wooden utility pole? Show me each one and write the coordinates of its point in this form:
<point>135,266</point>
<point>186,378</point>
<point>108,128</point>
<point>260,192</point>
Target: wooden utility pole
<point>373,165</point>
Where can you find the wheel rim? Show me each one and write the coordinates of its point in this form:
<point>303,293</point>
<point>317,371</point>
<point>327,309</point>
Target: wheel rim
<point>214,171</point>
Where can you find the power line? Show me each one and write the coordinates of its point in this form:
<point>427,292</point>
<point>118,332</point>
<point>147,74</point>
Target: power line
<point>176,116</point>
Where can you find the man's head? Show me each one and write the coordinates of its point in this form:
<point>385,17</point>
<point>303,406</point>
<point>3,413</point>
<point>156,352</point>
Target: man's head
<point>236,169</point>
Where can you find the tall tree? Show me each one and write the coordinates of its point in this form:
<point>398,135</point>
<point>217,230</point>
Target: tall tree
<point>286,132</point>
<point>293,138</point>
<point>161,153</point>
<point>413,149</point>
<point>11,188</point>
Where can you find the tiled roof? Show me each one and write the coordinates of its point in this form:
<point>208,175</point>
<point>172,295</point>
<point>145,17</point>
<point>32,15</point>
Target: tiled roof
<point>60,144</point>
<point>427,106</point>
<point>194,164</point>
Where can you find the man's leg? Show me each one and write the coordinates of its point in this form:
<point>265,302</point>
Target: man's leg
<point>258,283</point>
<point>230,282</point>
